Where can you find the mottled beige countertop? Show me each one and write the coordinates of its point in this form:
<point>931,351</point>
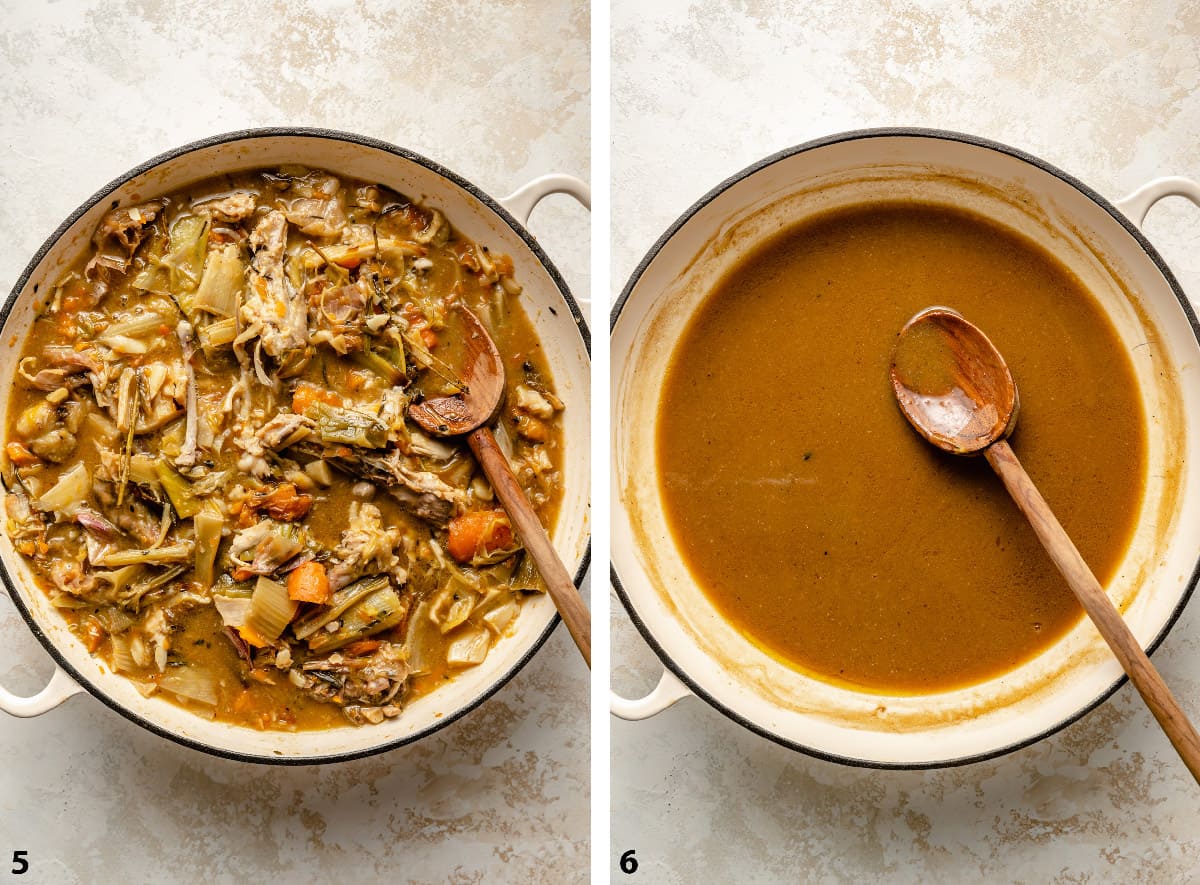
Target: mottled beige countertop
<point>497,92</point>
<point>1111,93</point>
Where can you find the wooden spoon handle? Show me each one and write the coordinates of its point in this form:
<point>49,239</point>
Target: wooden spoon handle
<point>1098,606</point>
<point>529,528</point>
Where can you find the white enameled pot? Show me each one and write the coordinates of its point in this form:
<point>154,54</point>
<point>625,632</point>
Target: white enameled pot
<point>559,324</point>
<point>703,654</point>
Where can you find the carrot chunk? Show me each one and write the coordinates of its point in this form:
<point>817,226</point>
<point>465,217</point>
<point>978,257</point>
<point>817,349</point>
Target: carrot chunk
<point>253,637</point>
<point>309,583</point>
<point>479,532</point>
<point>280,502</point>
<point>19,455</point>
<point>305,395</point>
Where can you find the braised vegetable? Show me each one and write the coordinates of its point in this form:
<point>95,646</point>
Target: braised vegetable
<point>478,536</point>
<point>309,583</point>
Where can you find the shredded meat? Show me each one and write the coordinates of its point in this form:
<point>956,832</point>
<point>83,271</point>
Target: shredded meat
<point>420,492</point>
<point>338,315</point>
<point>279,502</point>
<point>366,548</point>
<point>69,577</point>
<point>317,210</point>
<point>120,232</point>
<point>234,207</point>
<point>283,430</point>
<point>271,310</point>
<point>135,518</point>
<point>366,685</point>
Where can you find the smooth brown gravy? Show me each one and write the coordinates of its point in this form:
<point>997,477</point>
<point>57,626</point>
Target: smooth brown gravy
<point>814,517</point>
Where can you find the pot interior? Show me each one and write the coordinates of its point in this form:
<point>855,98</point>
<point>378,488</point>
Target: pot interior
<point>548,306</point>
<point>1154,327</point>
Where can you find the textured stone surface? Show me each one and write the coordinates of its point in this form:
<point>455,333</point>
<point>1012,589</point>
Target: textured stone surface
<point>1105,91</point>
<point>499,93</point>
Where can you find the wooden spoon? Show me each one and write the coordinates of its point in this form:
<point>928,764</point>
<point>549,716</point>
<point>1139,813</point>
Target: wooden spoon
<point>470,412</point>
<point>956,390</point>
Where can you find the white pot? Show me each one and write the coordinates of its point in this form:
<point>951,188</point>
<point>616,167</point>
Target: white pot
<point>703,653</point>
<point>553,312</point>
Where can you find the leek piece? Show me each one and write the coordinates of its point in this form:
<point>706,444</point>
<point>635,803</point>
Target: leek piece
<point>470,649</point>
<point>135,326</point>
<point>234,610</point>
<point>453,605</point>
<point>128,405</point>
<point>347,427</point>
<point>120,580</point>
<point>178,489</point>
<point>499,618</point>
<point>170,441</point>
<point>122,658</point>
<point>208,524</point>
<point>232,600</point>
<point>348,255</point>
<point>151,279</point>
<point>376,363</point>
<point>115,619</point>
<point>420,640</point>
<point>460,609</point>
<point>181,552</point>
<point>342,600</point>
<point>58,599</point>
<point>192,684</point>
<point>222,282</point>
<point>132,595</point>
<point>189,242</point>
<point>270,609</point>
<point>458,472</point>
<point>395,356</point>
<point>527,578</point>
<point>481,489</point>
<point>125,344</point>
<point>379,611</point>
<point>70,492</point>
<point>301,480</point>
<point>217,334</point>
<point>141,470</point>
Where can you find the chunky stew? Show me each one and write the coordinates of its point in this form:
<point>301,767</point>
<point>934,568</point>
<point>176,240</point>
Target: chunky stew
<point>209,464</point>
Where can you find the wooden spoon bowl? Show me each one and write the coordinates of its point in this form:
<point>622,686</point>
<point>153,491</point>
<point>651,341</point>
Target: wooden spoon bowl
<point>955,388</point>
<point>469,412</point>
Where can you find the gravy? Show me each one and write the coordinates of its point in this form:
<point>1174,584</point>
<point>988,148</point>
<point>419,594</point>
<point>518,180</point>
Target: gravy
<point>814,517</point>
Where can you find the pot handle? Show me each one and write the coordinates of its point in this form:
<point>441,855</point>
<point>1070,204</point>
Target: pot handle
<point>667,692</point>
<point>58,689</point>
<point>1137,204</point>
<point>520,203</point>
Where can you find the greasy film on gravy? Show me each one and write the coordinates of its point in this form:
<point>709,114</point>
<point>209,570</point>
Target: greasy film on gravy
<point>209,463</point>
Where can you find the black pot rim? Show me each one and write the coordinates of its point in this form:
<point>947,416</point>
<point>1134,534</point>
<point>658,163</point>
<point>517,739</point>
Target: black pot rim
<point>860,135</point>
<point>332,135</point>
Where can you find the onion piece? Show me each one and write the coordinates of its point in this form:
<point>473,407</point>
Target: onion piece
<point>192,684</point>
<point>70,492</point>
<point>122,658</point>
<point>470,649</point>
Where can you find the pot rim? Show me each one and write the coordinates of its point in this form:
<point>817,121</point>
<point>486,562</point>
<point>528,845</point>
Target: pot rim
<point>333,135</point>
<point>860,135</point>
